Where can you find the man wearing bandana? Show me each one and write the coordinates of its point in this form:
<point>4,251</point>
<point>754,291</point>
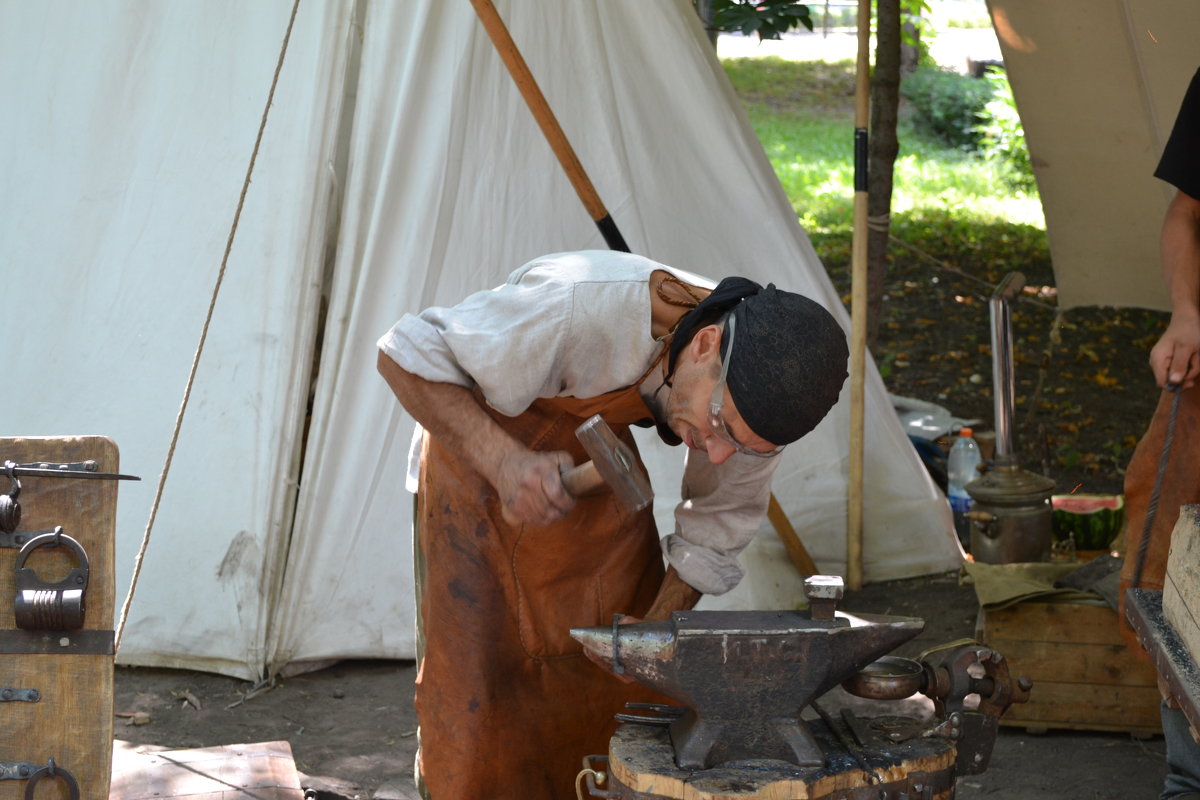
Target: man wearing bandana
<point>508,704</point>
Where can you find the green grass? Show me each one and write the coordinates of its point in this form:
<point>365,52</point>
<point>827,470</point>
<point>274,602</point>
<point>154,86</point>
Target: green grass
<point>803,113</point>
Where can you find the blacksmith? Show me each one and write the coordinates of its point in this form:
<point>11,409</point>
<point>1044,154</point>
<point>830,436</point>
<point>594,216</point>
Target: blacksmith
<point>508,705</point>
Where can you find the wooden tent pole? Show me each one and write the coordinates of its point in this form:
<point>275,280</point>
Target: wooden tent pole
<point>858,305</point>
<point>502,40</point>
<point>497,31</point>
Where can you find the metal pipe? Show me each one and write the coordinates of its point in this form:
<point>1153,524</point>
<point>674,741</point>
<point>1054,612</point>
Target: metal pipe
<point>1003,382</point>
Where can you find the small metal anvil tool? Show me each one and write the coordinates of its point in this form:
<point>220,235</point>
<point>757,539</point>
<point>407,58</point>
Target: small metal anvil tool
<point>745,676</point>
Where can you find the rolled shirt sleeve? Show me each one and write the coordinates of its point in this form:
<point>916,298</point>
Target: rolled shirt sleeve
<point>553,329</point>
<point>721,511</point>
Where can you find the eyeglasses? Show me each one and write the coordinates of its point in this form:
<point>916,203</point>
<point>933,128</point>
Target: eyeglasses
<point>717,402</point>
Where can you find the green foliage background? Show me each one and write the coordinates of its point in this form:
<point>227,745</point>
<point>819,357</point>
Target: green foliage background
<point>960,223</point>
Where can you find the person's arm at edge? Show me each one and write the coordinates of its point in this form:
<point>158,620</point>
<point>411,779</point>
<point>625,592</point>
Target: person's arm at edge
<point>1176,356</point>
<point>674,595</point>
<point>528,482</point>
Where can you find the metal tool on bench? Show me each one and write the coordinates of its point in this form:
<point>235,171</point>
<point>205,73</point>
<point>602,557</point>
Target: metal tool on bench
<point>613,464</point>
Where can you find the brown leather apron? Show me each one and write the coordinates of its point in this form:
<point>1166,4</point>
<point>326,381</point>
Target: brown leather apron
<point>508,705</point>
<point>1180,486</point>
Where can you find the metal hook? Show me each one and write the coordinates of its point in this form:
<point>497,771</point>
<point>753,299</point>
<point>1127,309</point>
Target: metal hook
<point>10,509</point>
<point>11,468</point>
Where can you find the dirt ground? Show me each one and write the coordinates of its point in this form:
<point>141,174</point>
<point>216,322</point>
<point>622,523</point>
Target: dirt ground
<point>352,727</point>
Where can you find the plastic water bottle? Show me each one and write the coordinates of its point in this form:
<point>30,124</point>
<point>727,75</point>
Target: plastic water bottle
<point>961,467</point>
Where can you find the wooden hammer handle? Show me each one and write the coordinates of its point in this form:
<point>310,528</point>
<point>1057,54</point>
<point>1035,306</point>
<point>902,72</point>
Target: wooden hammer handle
<point>582,479</point>
<point>576,480</point>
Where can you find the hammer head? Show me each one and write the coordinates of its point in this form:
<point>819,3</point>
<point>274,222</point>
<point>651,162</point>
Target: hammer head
<point>615,462</point>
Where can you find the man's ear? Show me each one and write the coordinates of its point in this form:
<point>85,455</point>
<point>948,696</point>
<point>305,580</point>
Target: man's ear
<point>706,344</point>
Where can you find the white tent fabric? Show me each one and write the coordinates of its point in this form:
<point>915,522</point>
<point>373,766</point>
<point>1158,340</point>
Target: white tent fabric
<point>128,128</point>
<point>399,168</point>
<point>453,187</point>
<point>1098,86</point>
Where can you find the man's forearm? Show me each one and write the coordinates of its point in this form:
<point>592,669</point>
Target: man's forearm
<point>1180,250</point>
<point>528,483</point>
<point>452,414</point>
<point>674,595</point>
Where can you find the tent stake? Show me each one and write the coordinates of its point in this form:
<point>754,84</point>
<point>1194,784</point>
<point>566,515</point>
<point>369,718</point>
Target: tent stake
<point>858,305</point>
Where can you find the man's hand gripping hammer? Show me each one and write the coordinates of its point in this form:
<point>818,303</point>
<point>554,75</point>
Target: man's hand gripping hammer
<point>613,463</point>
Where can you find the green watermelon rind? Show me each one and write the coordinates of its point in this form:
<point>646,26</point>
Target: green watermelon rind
<point>1091,530</point>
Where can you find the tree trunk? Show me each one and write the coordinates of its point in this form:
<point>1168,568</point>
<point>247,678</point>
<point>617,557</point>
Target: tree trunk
<point>704,11</point>
<point>883,146</point>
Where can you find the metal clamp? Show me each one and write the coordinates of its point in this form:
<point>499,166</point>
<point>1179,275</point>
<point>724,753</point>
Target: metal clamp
<point>10,695</point>
<point>16,540</point>
<point>617,668</point>
<point>52,770</point>
<point>40,605</point>
<point>17,770</point>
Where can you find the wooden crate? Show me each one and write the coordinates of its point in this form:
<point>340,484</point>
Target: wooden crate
<point>1181,606</point>
<point>1084,677</point>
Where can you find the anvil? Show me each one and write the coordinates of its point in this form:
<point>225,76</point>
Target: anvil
<point>745,676</point>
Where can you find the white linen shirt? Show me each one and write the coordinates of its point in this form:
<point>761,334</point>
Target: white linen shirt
<point>578,325</point>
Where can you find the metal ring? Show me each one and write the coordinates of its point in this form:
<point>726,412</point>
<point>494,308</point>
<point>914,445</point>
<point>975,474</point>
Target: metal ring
<point>53,771</point>
<point>53,539</point>
<point>616,656</point>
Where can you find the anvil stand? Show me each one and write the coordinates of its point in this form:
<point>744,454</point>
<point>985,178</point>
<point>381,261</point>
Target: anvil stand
<point>745,677</point>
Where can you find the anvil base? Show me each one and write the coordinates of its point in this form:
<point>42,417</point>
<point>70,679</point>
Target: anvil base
<point>641,766</point>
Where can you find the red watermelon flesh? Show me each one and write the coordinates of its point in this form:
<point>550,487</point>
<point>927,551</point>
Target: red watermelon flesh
<point>1091,520</point>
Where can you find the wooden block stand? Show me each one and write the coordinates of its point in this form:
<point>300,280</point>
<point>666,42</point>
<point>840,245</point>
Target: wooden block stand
<point>72,718</point>
<point>641,766</point>
<point>1084,677</point>
<point>1181,587</point>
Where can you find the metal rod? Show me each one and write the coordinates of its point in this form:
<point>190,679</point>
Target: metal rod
<point>46,469</point>
<point>1003,383</point>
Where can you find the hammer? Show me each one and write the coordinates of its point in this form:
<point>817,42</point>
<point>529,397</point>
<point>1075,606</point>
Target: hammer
<point>612,463</point>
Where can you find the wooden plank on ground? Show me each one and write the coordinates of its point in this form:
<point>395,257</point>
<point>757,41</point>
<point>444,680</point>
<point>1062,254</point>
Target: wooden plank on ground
<point>263,771</point>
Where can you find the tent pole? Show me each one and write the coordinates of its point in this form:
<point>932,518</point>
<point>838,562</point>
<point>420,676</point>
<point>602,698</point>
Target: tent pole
<point>512,58</point>
<point>858,304</point>
<point>507,48</point>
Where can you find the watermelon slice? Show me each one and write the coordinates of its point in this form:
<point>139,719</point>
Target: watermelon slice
<point>1091,520</point>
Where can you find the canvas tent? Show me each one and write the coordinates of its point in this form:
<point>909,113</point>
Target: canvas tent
<point>1098,86</point>
<point>399,169</point>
